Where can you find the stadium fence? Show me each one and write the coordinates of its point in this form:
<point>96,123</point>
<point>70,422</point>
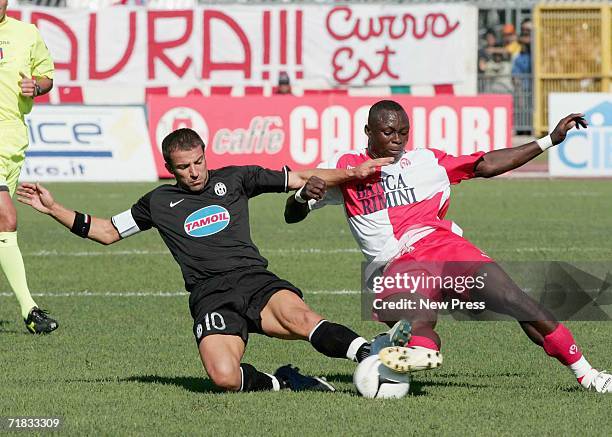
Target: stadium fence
<point>573,52</point>
<point>521,88</point>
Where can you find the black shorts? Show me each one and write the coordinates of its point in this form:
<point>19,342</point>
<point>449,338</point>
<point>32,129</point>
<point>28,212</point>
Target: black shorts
<point>231,303</point>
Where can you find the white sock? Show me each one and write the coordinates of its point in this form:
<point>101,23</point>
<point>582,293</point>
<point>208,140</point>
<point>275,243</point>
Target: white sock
<point>580,367</point>
<point>275,383</point>
<point>351,353</point>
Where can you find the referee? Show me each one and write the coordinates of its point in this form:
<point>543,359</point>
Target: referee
<point>204,221</point>
<point>26,72</point>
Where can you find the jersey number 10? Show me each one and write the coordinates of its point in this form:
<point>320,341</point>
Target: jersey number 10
<point>214,319</point>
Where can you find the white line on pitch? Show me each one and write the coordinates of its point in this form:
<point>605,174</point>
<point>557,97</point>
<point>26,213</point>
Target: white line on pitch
<point>165,252</point>
<point>294,251</point>
<point>551,249</point>
<point>156,293</point>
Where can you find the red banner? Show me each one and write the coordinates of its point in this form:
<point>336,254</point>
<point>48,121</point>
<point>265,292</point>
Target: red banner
<point>301,132</point>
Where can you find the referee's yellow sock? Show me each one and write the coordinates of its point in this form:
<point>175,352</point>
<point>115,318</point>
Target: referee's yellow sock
<point>12,265</point>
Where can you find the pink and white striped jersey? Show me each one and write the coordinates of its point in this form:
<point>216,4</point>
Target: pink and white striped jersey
<point>400,204</point>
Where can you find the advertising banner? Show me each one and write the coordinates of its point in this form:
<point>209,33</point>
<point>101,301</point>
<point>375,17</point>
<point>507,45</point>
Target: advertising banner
<point>585,152</point>
<point>302,132</point>
<point>88,143</point>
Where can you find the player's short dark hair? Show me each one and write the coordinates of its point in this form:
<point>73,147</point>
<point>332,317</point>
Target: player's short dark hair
<point>180,139</point>
<point>383,106</point>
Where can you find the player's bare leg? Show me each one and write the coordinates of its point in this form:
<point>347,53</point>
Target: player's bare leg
<point>502,295</point>
<point>221,356</point>
<point>37,321</point>
<point>287,316</point>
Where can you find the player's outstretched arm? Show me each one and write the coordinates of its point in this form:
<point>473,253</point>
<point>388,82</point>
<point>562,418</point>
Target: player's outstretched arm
<point>500,161</point>
<point>334,177</point>
<point>39,198</point>
<point>296,211</point>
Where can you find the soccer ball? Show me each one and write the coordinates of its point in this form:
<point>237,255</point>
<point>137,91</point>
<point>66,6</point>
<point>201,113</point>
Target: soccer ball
<point>374,380</point>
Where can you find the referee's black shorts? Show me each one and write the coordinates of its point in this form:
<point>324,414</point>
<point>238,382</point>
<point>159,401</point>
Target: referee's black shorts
<point>231,303</point>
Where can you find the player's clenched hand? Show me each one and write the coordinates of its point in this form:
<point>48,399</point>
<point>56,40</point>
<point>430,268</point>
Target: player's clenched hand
<point>369,167</point>
<point>27,85</point>
<point>315,188</point>
<point>37,196</point>
<point>565,125</point>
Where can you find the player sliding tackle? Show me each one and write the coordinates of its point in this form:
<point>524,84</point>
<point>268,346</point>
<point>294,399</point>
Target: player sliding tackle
<point>397,218</point>
<point>204,221</point>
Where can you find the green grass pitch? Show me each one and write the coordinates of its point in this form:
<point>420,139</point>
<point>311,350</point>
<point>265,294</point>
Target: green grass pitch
<point>126,364</point>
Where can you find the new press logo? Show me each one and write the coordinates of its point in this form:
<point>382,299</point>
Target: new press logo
<point>207,221</point>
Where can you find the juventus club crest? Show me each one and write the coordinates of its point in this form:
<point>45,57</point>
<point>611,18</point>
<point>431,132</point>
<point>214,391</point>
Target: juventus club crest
<point>220,189</point>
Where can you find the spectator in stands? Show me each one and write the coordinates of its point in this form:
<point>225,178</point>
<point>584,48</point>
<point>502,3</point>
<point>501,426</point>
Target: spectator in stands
<point>526,27</point>
<point>522,63</point>
<point>512,46</point>
<point>522,78</point>
<point>493,66</point>
<point>498,74</point>
<point>284,84</point>
<point>485,54</point>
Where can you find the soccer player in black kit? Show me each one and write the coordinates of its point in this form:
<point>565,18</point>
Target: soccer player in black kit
<point>204,221</point>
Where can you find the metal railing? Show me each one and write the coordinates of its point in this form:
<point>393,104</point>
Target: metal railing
<point>573,52</point>
<point>521,88</point>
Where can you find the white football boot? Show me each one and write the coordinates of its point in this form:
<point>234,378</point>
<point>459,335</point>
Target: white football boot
<point>410,359</point>
<point>600,382</point>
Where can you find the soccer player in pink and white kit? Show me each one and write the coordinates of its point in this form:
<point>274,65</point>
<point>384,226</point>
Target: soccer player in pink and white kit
<point>397,218</point>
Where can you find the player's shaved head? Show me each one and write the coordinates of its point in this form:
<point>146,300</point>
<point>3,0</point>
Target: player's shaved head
<point>387,129</point>
<point>180,139</point>
<point>381,107</point>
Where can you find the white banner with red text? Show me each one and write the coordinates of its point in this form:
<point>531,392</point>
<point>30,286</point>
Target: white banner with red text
<point>88,143</point>
<point>249,45</point>
<point>302,132</point>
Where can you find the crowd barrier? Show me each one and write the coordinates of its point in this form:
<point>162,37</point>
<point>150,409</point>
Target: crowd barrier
<point>520,86</point>
<point>573,52</point>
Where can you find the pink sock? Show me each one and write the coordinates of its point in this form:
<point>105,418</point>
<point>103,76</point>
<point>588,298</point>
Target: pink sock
<point>417,340</point>
<point>561,345</point>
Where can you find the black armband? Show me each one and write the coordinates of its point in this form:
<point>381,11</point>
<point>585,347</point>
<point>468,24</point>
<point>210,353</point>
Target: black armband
<point>81,224</point>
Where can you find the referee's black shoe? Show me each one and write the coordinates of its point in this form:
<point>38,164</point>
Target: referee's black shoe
<point>289,377</point>
<point>39,322</point>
